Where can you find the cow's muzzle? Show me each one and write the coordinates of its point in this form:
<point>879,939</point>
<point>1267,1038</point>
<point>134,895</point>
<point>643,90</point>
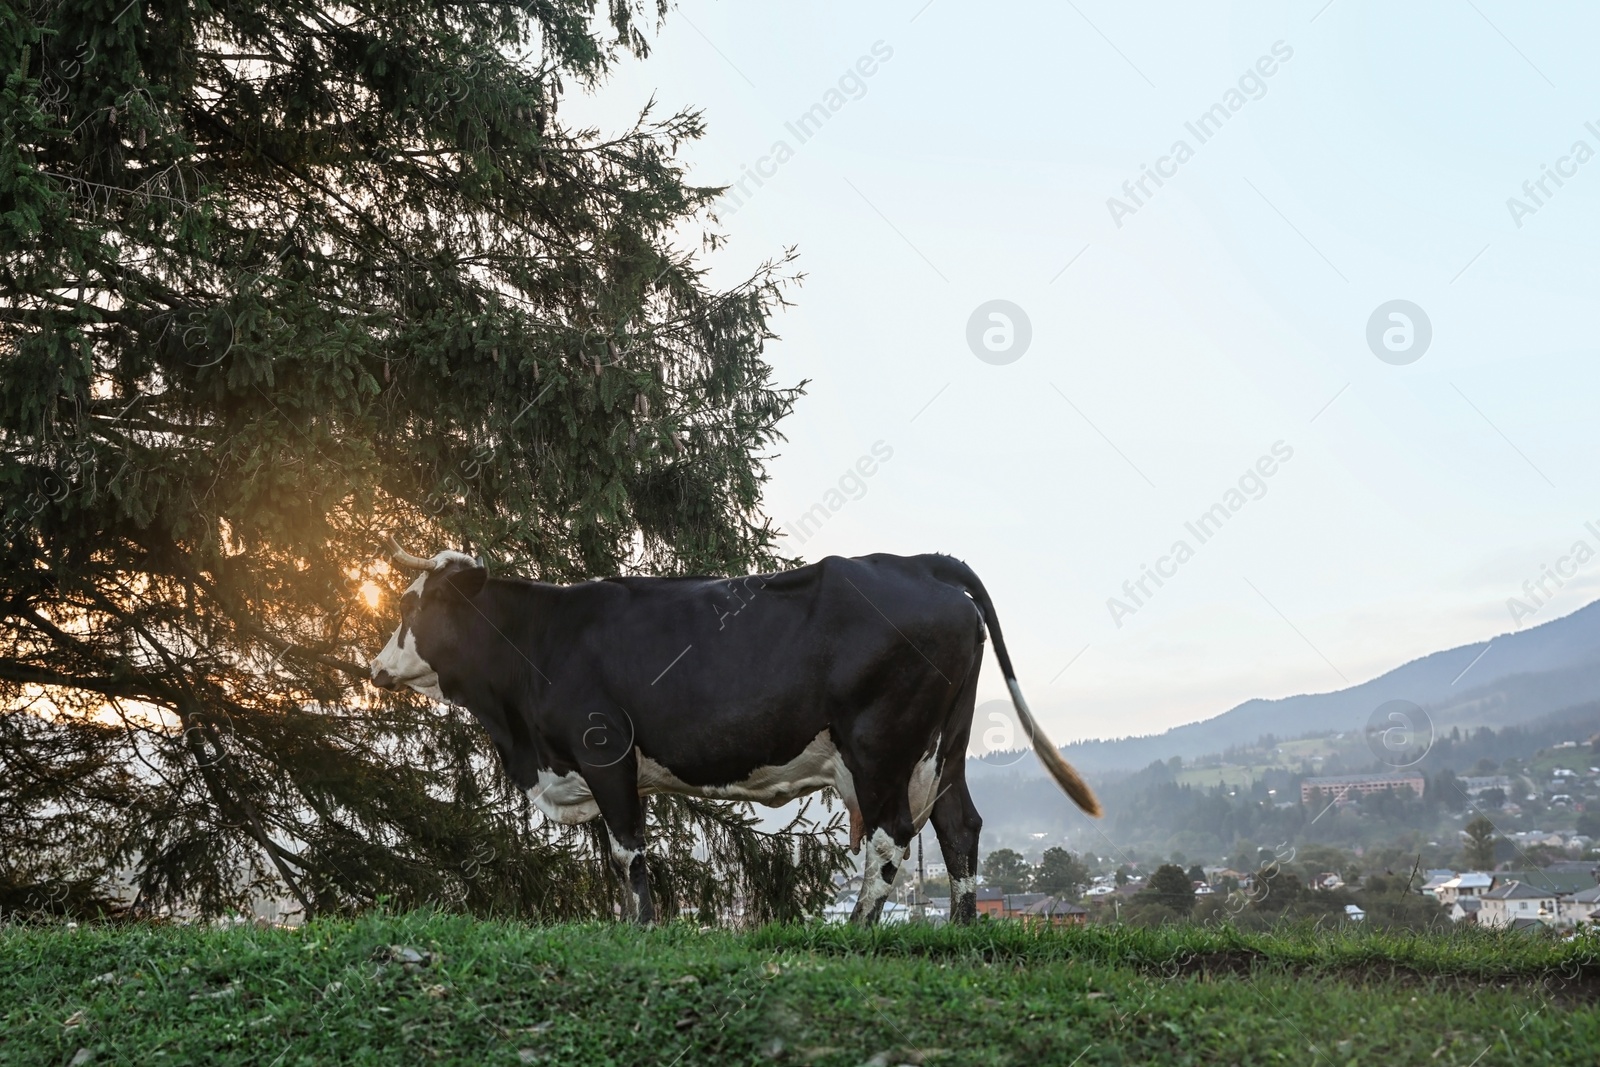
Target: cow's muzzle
<point>384,680</point>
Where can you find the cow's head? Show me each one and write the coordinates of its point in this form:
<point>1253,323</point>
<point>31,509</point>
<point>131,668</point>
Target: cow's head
<point>432,617</point>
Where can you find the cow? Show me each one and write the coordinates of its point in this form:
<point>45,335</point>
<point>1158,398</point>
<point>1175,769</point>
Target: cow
<point>856,674</point>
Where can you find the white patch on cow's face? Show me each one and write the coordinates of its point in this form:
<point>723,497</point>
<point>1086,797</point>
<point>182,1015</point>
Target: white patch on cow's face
<point>401,661</point>
<point>564,797</point>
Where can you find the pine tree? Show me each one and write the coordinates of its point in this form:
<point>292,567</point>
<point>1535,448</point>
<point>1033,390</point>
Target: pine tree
<point>1477,847</point>
<point>276,279</point>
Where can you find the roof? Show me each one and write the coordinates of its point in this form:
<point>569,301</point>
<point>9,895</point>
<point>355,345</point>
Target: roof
<point>1054,906</point>
<point>1361,779</point>
<point>1575,866</point>
<point>1021,901</point>
<point>1553,880</point>
<point>1469,880</point>
<point>1515,890</point>
<point>1469,904</point>
<point>1526,924</point>
<point>1587,896</point>
<point>990,893</point>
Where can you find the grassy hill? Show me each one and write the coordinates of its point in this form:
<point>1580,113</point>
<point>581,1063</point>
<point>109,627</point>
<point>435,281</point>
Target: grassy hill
<point>425,988</point>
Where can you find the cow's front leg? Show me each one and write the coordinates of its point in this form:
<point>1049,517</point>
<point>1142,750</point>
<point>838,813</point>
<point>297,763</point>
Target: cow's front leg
<point>886,812</point>
<point>622,809</point>
<point>627,860</point>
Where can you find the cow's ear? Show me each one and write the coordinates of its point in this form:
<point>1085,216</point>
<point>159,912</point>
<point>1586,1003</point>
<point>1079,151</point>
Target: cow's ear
<point>467,582</point>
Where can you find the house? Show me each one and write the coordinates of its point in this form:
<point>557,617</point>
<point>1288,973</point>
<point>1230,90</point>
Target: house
<point>1588,867</point>
<point>1503,905</point>
<point>1055,911</point>
<point>1581,907</point>
<point>1327,880</point>
<point>1529,838</point>
<point>839,911</point>
<point>1014,904</point>
<point>894,914</point>
<point>1435,878</point>
<point>1345,788</point>
<point>1557,878</point>
<point>1465,910</point>
<point>1466,884</point>
<point>1354,913</point>
<point>1100,891</point>
<point>991,901</point>
<point>1475,785</point>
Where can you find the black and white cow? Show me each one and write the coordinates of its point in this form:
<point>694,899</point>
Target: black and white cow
<point>858,675</point>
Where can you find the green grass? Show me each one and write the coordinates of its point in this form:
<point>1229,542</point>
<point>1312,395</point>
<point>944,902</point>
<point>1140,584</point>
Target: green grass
<point>479,992</point>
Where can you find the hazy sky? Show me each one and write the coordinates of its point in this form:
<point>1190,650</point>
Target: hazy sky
<point>1176,339</point>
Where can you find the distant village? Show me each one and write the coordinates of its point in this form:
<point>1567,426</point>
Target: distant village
<point>1516,879</point>
<point>1562,897</point>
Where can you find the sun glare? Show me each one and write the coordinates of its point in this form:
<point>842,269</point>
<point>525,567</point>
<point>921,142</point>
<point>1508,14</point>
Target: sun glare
<point>372,594</point>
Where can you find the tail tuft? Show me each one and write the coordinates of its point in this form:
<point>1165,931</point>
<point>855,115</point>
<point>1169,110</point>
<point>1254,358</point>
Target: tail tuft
<point>1063,772</point>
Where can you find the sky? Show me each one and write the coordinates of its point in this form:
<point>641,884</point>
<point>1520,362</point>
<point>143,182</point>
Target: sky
<point>1160,349</point>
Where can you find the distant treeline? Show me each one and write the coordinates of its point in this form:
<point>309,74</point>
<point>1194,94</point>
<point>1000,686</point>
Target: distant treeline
<point>1151,814</point>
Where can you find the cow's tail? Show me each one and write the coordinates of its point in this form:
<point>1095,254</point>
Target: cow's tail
<point>1066,777</point>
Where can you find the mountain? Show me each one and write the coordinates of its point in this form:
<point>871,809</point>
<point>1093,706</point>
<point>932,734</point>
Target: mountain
<point>1508,680</point>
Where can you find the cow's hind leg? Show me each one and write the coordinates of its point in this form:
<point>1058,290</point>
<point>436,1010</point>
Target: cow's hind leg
<point>955,818</point>
<point>957,822</point>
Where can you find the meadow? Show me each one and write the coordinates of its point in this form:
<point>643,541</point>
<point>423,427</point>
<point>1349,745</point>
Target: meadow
<point>426,987</point>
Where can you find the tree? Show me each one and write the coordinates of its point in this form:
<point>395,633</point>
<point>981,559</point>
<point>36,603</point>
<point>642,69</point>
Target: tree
<point>276,278</point>
<point>1477,852</point>
<point>1197,873</point>
<point>1062,874</point>
<point>1445,790</point>
<point>1589,824</point>
<point>1542,855</point>
<point>1276,889</point>
<point>1007,870</point>
<point>1170,888</point>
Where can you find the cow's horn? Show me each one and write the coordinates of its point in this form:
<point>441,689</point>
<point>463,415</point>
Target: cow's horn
<point>406,559</point>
